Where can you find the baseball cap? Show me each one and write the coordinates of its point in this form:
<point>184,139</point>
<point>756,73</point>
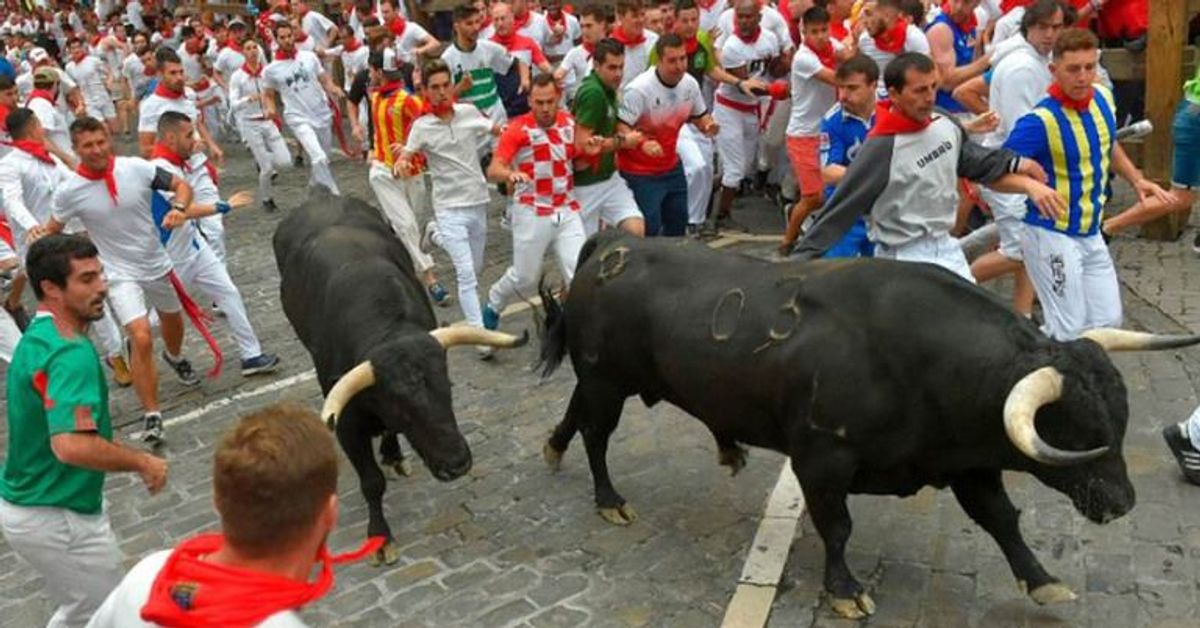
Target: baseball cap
<point>45,74</point>
<point>38,55</point>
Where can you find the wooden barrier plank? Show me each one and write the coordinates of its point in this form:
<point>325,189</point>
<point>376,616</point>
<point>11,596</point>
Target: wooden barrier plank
<point>1164,76</point>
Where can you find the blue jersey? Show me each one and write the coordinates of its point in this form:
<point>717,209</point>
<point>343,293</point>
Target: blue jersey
<point>964,53</point>
<point>842,134</point>
<point>1075,150</point>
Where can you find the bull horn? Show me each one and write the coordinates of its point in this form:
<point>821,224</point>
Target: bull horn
<point>348,385</point>
<point>1033,391</point>
<point>1112,339</point>
<point>468,335</point>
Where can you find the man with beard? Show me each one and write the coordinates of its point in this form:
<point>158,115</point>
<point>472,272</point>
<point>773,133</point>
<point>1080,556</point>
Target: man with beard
<point>60,436</point>
<point>888,34</point>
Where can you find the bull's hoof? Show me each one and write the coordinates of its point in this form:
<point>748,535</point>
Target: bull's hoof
<point>402,467</point>
<point>1052,593</point>
<point>857,607</point>
<point>386,555</point>
<point>552,456</point>
<point>734,458</point>
<point>622,515</point>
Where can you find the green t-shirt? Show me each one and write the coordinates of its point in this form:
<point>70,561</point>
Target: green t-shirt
<point>700,60</point>
<point>55,386</point>
<point>595,107</point>
<point>1191,89</point>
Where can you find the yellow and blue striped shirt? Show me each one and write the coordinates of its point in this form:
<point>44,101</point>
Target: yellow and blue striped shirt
<point>1075,150</point>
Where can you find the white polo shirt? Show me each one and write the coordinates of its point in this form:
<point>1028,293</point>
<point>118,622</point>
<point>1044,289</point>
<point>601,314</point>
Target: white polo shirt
<point>450,150</point>
<point>153,106</point>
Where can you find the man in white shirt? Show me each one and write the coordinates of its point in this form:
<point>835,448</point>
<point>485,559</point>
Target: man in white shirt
<point>69,101</point>
<point>259,132</point>
<point>888,34</point>
<point>171,94</point>
<point>447,137</point>
<point>41,101</point>
<point>301,82</point>
<point>93,76</point>
<point>577,64</point>
<point>315,25</point>
<point>631,32</point>
<point>275,492</point>
<point>563,30</point>
<point>410,39</point>
<point>475,62</point>
<point>110,196</point>
<point>133,13</point>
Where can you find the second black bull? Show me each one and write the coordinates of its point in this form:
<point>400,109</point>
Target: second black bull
<point>874,376</point>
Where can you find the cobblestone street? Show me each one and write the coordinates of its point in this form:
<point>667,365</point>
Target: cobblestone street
<point>514,544</point>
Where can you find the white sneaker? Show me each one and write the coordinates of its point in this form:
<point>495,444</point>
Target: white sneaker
<point>430,237</point>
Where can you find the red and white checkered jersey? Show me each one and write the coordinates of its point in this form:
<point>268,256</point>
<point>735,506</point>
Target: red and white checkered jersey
<point>547,156</point>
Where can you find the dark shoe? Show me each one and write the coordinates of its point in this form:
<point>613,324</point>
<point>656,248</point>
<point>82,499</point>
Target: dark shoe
<point>1186,455</point>
<point>269,206</point>
<point>183,370</point>
<point>439,294</point>
<point>784,250</point>
<point>264,363</point>
<point>491,318</point>
<point>152,428</point>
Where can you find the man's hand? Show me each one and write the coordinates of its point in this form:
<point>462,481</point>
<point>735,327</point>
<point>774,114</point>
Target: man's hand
<point>652,148</point>
<point>464,84</point>
<point>356,131</point>
<point>153,472</point>
<point>517,177</point>
<point>35,233</point>
<point>1032,169</point>
<point>1146,188</point>
<point>985,122</point>
<point>593,145</point>
<point>1049,204</point>
<point>632,138</point>
<point>217,155</point>
<point>525,85</point>
<point>749,85</point>
<point>240,199</point>
<point>174,219</point>
<point>711,129</point>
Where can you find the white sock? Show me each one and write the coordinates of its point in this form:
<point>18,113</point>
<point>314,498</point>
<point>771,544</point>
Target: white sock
<point>171,357</point>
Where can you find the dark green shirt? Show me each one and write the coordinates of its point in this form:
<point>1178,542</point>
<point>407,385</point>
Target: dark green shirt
<point>595,107</point>
<point>55,386</point>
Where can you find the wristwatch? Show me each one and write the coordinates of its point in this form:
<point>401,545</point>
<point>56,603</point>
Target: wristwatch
<point>177,206</point>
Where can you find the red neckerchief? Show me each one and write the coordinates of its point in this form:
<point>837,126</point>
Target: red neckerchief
<point>397,26</point>
<point>191,591</point>
<point>79,56</point>
<point>167,32</point>
<point>95,41</point>
<point>437,110</point>
<point>1009,5</point>
<point>1056,92</point>
<point>232,43</point>
<point>620,35</point>
<point>892,39</point>
<point>966,26</point>
<point>892,121</point>
<point>838,30</point>
<point>35,149</point>
<point>40,93</point>
<point>166,92</point>
<point>4,111</point>
<point>148,71</point>
<point>825,54</point>
<point>750,37</point>
<point>705,4</point>
<point>351,45</point>
<point>194,46</point>
<point>508,41</point>
<point>284,55</point>
<point>691,45</point>
<point>252,73</point>
<point>173,158</point>
<point>301,37</point>
<point>561,19</point>
<point>389,88</point>
<point>589,48</point>
<point>106,176</point>
<point>521,22</point>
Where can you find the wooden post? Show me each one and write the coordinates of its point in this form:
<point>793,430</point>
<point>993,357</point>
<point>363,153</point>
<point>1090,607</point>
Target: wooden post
<point>1164,81</point>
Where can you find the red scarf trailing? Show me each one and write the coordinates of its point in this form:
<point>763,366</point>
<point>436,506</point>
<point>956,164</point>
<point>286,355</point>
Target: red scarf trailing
<point>397,26</point>
<point>825,54</point>
<point>200,320</point>
<point>35,149</point>
<point>190,591</point>
<point>105,175</point>
<point>620,35</point>
<point>40,93</point>
<point>892,39</point>
<point>173,158</point>
<point>892,121</point>
<point>166,92</point>
<point>967,25</point>
<point>1056,92</point>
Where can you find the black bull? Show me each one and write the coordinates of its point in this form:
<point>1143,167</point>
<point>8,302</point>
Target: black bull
<point>347,287</point>
<point>874,376</point>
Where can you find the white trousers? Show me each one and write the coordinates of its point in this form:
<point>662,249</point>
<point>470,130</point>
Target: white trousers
<point>270,152</point>
<point>696,152</point>
<point>212,228</point>
<point>396,200</point>
<point>532,235</point>
<point>10,335</point>
<point>610,200</point>
<point>1075,281</point>
<point>939,249</point>
<point>317,142</point>
<point>772,149</point>
<point>737,144</point>
<point>206,273</point>
<point>462,233</point>
<point>77,556</point>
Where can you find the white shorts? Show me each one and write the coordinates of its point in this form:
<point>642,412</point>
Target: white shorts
<point>102,110</point>
<point>1008,210</point>
<point>941,250</point>
<point>609,200</point>
<point>131,300</point>
<point>1075,281</point>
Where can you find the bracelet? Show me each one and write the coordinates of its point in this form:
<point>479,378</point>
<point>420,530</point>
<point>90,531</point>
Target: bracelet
<point>223,207</point>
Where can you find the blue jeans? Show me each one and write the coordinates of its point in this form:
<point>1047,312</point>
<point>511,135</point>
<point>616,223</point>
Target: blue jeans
<point>854,243</point>
<point>662,199</point>
<point>1185,170</point>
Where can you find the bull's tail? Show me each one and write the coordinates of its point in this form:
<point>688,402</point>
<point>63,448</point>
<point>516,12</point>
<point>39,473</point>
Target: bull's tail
<point>554,331</point>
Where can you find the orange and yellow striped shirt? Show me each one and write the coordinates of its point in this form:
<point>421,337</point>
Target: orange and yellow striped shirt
<point>392,114</point>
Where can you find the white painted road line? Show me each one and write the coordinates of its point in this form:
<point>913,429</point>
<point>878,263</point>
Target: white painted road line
<point>750,606</point>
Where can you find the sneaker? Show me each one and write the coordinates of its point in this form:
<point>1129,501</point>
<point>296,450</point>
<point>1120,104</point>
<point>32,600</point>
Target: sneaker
<point>1185,454</point>
<point>263,363</point>
<point>269,206</point>
<point>439,294</point>
<point>1196,243</point>
<point>485,353</point>
<point>120,370</point>
<point>491,318</point>
<point>183,370</point>
<point>708,231</point>
<point>427,236</point>
<point>152,428</point>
